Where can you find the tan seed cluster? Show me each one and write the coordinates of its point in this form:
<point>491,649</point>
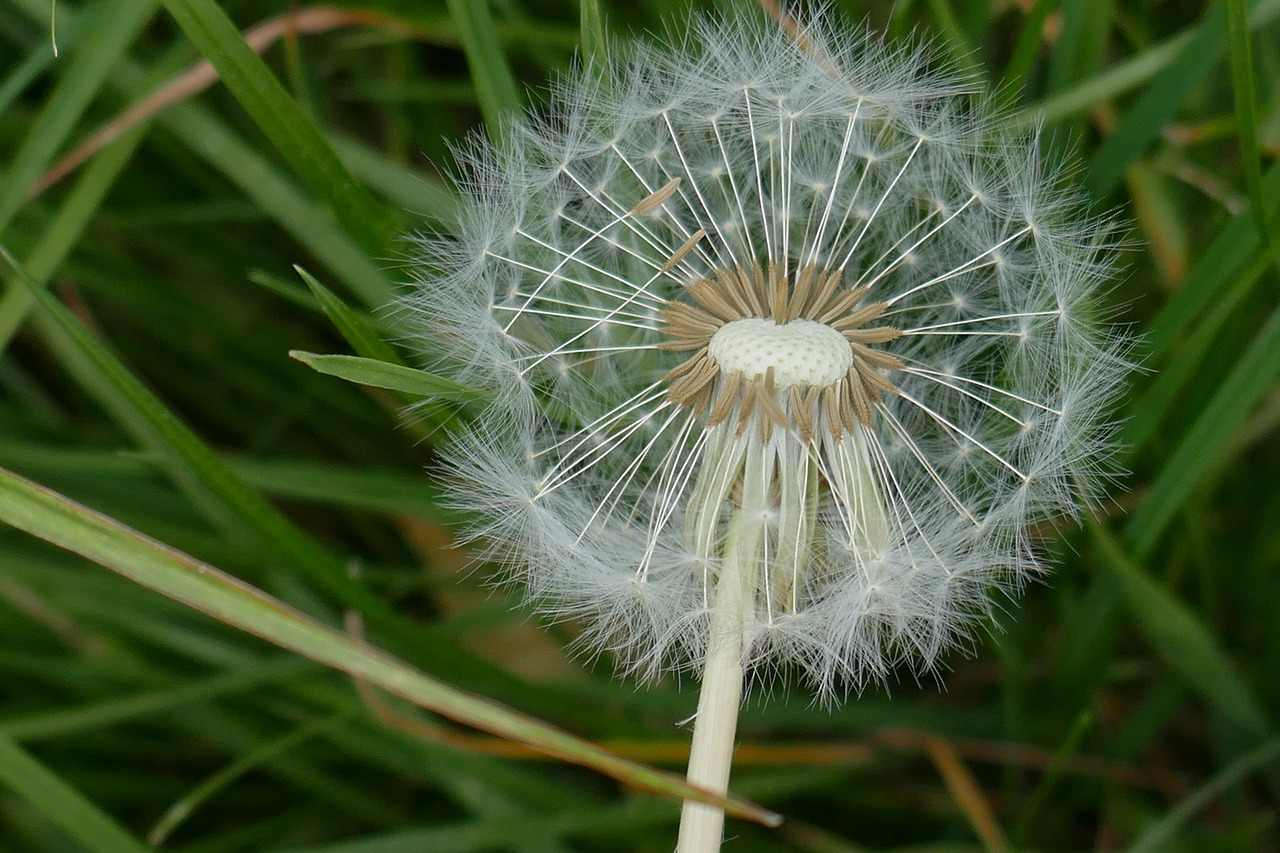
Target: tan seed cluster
<point>737,294</point>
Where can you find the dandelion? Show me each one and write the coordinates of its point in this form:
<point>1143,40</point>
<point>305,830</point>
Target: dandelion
<point>790,342</point>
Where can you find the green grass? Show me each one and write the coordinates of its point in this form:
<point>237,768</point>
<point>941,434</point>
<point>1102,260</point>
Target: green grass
<point>197,370</point>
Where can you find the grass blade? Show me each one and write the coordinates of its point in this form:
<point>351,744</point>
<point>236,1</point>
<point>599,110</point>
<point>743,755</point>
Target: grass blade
<point>1076,53</point>
<point>392,492</point>
<point>1157,105</point>
<point>394,377</point>
<point>259,179</point>
<point>496,90</point>
<point>595,44</point>
<point>1254,372</point>
<point>183,808</point>
<point>225,497</point>
<point>76,528</point>
<point>356,328</point>
<point>953,36</point>
<point>1246,112</point>
<point>1180,639</point>
<point>420,193</point>
<point>1018,69</point>
<point>66,229</point>
<point>1156,401</point>
<point>291,130</point>
<point>109,33</point>
<point>1130,73</point>
<point>72,721</point>
<point>1161,835</point>
<point>389,491</point>
<point>61,804</point>
<point>1226,259</point>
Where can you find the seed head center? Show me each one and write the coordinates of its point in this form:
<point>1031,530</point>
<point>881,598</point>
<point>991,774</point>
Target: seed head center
<point>800,352</point>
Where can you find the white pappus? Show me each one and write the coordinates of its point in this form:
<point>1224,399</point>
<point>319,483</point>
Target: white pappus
<point>778,322</point>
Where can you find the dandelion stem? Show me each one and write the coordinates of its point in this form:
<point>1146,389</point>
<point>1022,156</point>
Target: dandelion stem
<point>711,755</point>
<point>733,611</point>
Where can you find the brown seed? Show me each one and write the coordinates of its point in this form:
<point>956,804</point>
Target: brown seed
<point>801,414</point>
<point>728,396</point>
<point>800,293</point>
<point>657,199</point>
<point>778,287</point>
<point>684,249</point>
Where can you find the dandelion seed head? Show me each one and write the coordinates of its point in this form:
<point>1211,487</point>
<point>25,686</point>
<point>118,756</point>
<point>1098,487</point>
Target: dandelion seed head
<point>803,305</point>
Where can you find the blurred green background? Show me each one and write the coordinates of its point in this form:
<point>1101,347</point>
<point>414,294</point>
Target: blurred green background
<point>148,308</point>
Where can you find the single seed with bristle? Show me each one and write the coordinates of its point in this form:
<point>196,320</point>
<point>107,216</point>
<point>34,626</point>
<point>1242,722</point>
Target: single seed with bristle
<point>724,402</point>
<point>861,317</point>
<point>749,395</point>
<point>656,200</point>
<point>685,248</point>
<point>878,335</point>
<point>800,413</point>
<point>778,295</point>
<point>842,305</point>
<point>685,366</point>
<point>800,294</point>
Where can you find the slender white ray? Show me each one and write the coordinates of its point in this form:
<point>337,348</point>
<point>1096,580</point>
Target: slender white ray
<point>767,471</point>
<point>660,519</point>
<point>965,322</point>
<point>828,458</point>
<point>819,457</point>
<point>875,211</point>
<point>951,426</point>
<point>541,357</point>
<point>858,511</point>
<point>786,143</point>
<point>710,225</point>
<point>567,256</point>
<point>685,464</point>
<point>644,258</point>
<point>890,481</point>
<point>737,195</point>
<point>930,306</point>
<point>821,231</point>
<point>916,245</point>
<point>619,487</point>
<point>765,219</point>
<point>920,368</point>
<point>561,348</point>
<point>729,452</point>
<point>633,223</point>
<point>629,283</point>
<point>618,490</point>
<point>676,222</point>
<point>964,333</point>
<point>671,484</point>
<point>604,238</point>
<point>967,266</point>
<point>586,433</point>
<point>657,302</point>
<point>801,535</point>
<point>660,473</point>
<point>929,470</point>
<point>842,234</point>
<point>971,395</point>
<point>565,315</point>
<point>571,469</point>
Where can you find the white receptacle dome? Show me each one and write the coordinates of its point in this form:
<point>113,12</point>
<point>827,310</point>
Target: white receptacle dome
<point>801,352</point>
